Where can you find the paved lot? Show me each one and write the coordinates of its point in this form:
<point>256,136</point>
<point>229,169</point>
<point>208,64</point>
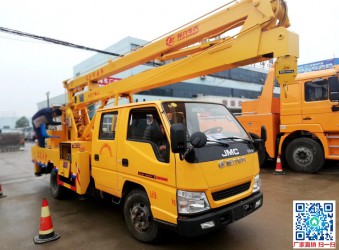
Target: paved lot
<point>89,224</point>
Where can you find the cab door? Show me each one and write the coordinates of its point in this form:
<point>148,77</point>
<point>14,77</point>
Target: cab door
<point>317,107</point>
<point>143,159</point>
<point>104,148</point>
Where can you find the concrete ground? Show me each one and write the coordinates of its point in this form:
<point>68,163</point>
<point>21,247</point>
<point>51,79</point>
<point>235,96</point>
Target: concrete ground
<point>89,224</point>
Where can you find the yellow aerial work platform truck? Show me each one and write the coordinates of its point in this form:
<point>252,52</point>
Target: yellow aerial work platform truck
<point>181,165</point>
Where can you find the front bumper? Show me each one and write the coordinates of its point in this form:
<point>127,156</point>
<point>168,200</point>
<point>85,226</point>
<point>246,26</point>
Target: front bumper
<point>191,226</point>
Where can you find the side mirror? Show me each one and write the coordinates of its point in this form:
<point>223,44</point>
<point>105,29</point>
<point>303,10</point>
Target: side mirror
<point>178,138</point>
<point>198,139</point>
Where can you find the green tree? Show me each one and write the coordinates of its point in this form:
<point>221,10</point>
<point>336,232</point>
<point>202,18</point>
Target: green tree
<point>22,122</point>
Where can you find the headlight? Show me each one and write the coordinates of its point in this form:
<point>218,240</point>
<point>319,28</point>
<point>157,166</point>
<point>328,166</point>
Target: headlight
<point>257,184</point>
<point>192,202</point>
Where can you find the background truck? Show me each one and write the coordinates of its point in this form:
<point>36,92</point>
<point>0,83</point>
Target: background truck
<point>11,140</point>
<point>302,124</point>
<point>180,165</point>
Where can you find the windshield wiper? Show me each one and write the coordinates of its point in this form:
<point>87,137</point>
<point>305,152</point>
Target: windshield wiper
<point>209,139</point>
<point>233,138</point>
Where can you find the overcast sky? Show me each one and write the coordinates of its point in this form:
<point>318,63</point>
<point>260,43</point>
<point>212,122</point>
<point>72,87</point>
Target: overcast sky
<point>30,68</point>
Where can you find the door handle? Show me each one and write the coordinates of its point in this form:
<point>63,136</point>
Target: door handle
<point>307,118</point>
<point>96,157</point>
<point>124,162</point>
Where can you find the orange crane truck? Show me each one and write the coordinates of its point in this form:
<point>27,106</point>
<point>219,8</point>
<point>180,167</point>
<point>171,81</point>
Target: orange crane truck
<point>181,165</point>
<point>302,124</point>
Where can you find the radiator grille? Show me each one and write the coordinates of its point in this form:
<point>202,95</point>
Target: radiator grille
<point>226,193</point>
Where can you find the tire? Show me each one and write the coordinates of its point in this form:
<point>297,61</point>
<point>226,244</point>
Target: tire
<point>59,192</point>
<point>305,155</point>
<point>139,218</point>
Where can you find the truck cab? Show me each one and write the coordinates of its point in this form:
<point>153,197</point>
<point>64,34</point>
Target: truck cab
<point>308,122</point>
<point>302,123</point>
<point>192,187</point>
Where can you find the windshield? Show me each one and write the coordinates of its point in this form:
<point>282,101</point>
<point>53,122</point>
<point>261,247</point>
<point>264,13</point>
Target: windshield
<point>214,120</point>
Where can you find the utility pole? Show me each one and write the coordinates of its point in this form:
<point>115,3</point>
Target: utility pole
<point>47,94</point>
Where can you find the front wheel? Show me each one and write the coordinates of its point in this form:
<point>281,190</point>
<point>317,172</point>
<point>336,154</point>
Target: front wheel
<point>139,218</point>
<point>305,155</point>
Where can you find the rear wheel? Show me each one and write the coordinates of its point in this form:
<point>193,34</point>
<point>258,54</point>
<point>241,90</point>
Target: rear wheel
<point>58,191</point>
<point>139,218</point>
<point>305,155</point>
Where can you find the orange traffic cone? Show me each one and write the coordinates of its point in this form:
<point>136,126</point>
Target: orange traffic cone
<point>1,194</point>
<point>278,167</point>
<point>46,232</point>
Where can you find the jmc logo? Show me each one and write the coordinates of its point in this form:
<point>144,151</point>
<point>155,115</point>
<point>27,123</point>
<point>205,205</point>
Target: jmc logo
<point>230,152</point>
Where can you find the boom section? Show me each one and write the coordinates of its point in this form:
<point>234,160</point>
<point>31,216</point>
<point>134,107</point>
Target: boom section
<point>241,20</point>
<point>234,35</point>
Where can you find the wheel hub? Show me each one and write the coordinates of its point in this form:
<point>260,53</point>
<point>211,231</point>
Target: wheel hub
<point>303,155</point>
<point>140,217</point>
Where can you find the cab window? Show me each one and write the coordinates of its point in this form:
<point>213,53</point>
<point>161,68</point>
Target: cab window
<point>108,125</point>
<point>316,90</point>
<point>145,126</point>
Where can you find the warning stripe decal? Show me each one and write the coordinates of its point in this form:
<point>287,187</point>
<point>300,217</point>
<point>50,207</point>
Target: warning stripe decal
<point>67,185</point>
